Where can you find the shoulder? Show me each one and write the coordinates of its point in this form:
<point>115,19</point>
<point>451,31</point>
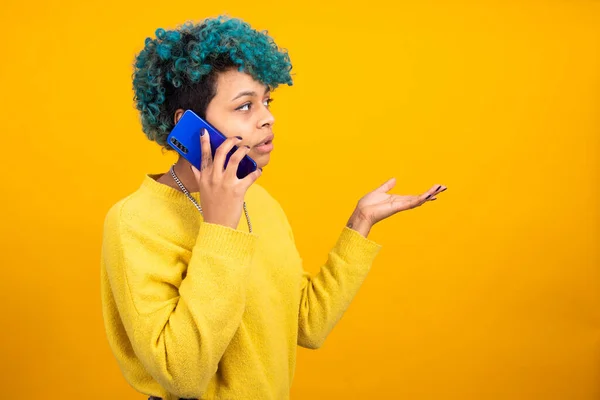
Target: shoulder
<point>126,208</point>
<point>138,210</point>
<point>113,215</point>
<point>272,209</point>
<point>265,198</point>
<point>262,193</point>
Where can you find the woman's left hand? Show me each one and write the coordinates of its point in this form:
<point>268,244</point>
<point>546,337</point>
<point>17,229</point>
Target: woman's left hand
<point>379,205</point>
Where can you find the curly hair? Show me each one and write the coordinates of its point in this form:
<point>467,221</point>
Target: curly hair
<point>179,68</point>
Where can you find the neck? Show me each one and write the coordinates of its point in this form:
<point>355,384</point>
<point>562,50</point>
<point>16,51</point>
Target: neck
<point>184,173</point>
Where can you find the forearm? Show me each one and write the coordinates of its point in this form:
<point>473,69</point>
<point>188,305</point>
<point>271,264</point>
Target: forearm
<point>326,296</point>
<point>180,334</point>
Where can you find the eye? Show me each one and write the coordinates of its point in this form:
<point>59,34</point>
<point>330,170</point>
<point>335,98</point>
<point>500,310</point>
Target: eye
<point>247,106</point>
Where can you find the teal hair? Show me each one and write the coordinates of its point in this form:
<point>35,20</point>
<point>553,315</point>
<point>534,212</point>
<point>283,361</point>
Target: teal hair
<point>183,63</point>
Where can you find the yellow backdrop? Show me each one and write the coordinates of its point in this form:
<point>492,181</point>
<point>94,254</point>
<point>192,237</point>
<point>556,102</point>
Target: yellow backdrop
<point>492,292</point>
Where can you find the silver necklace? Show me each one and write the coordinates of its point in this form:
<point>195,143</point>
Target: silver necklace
<point>193,200</point>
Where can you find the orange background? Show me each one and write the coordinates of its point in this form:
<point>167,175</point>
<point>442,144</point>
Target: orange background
<point>491,292</point>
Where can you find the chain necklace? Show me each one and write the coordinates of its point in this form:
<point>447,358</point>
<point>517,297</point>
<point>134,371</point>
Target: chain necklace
<point>198,206</point>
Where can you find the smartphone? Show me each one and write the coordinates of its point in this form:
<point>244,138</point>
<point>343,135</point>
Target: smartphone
<point>185,139</point>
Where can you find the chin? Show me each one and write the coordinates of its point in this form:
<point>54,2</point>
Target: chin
<point>261,160</point>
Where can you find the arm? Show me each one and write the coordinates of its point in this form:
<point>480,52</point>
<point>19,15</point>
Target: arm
<point>325,297</point>
<point>179,334</point>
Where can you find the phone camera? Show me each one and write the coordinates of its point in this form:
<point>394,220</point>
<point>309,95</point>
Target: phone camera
<point>177,144</point>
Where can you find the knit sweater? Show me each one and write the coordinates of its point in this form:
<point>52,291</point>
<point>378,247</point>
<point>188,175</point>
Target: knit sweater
<point>203,311</point>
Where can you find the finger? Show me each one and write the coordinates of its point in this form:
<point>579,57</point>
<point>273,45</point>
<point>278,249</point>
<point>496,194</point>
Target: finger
<point>440,189</point>
<point>234,161</point>
<point>389,185</point>
<point>206,161</point>
<point>196,172</point>
<point>435,189</point>
<point>223,150</point>
<point>400,203</point>
<point>251,178</point>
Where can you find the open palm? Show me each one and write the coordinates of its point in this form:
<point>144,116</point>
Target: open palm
<point>379,204</point>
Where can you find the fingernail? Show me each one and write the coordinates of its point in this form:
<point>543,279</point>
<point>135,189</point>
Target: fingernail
<point>247,147</point>
<point>438,188</point>
<point>433,199</point>
<point>428,197</point>
<point>202,132</point>
<point>239,137</point>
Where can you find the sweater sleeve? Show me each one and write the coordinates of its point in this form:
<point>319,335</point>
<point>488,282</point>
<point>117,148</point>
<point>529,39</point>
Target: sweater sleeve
<point>326,296</point>
<point>178,328</point>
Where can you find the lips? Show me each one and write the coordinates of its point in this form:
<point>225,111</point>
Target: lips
<point>267,140</point>
<point>264,147</point>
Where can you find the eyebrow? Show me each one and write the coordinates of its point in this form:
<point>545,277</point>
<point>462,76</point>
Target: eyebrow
<point>248,93</point>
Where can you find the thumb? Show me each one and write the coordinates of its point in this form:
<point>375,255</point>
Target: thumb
<point>389,185</point>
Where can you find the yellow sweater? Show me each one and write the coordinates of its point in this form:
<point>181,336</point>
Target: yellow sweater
<point>198,310</point>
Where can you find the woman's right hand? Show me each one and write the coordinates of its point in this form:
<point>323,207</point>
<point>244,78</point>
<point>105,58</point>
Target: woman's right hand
<point>221,192</point>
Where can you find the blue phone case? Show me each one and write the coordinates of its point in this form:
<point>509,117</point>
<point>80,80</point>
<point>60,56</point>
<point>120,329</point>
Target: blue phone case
<point>185,139</point>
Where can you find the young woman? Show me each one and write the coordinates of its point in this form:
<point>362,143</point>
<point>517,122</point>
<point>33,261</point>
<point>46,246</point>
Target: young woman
<point>204,294</point>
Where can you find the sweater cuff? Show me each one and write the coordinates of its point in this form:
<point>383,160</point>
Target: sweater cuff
<point>354,248</point>
<point>225,242</point>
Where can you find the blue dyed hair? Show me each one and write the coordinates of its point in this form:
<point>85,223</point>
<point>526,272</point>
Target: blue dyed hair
<point>179,68</point>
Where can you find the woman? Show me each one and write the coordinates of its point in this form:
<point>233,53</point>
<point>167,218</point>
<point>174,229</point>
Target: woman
<point>204,295</point>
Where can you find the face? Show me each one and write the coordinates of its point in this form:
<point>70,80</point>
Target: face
<point>241,108</point>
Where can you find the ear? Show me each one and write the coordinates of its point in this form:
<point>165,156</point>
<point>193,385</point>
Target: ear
<point>178,115</point>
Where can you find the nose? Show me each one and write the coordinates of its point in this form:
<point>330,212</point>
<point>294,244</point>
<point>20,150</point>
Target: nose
<point>266,120</point>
